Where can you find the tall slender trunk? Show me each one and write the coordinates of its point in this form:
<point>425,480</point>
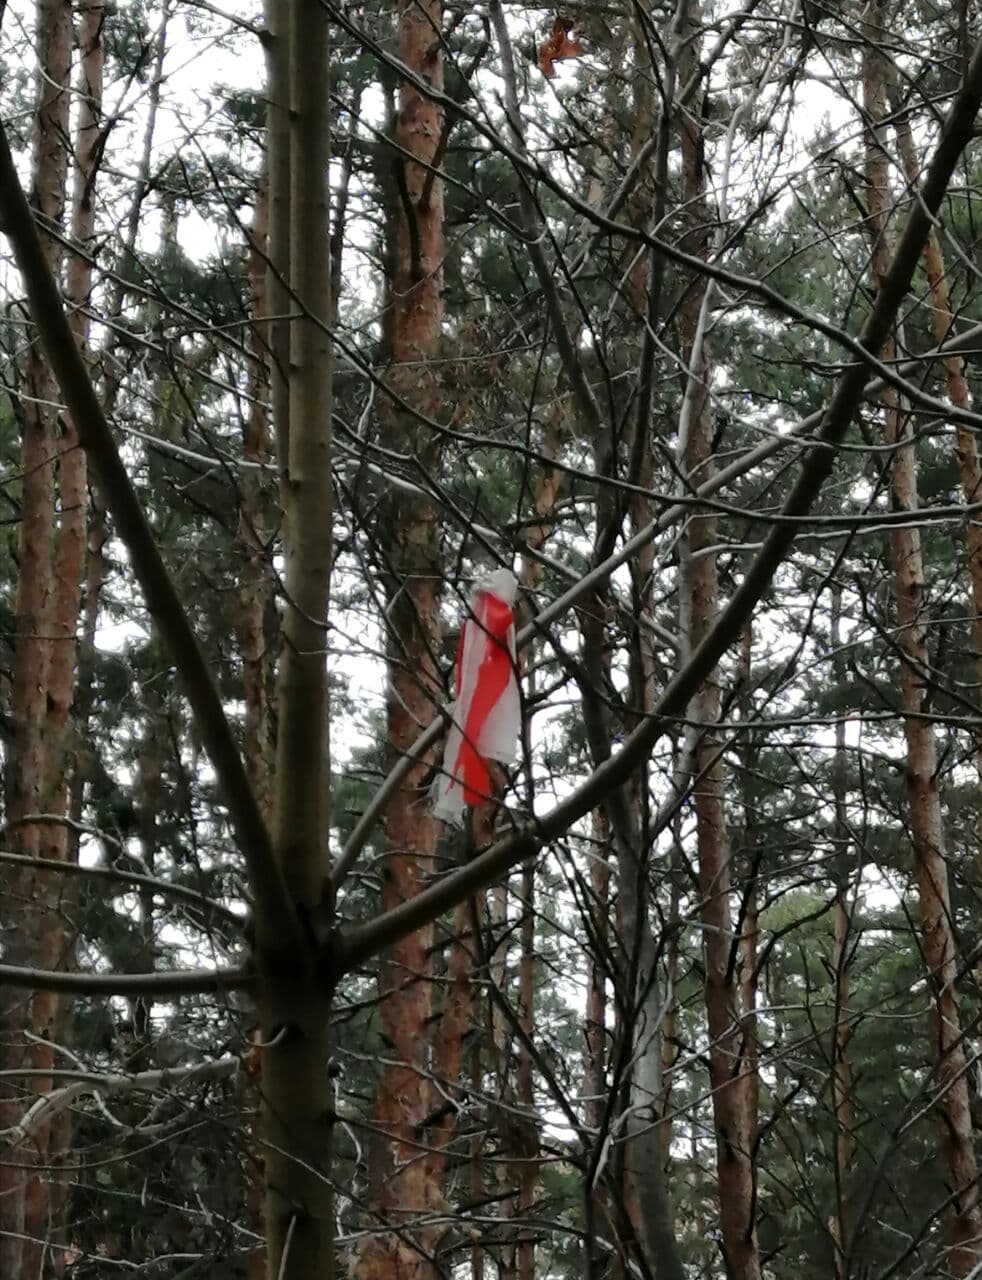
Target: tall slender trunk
<point>597,1210</point>
<point>595,1065</point>
<point>403,1186</point>
<point>255,606</point>
<point>731,1070</point>
<point>500,1038</point>
<point>956,386</point>
<point>294,999</point>
<point>255,580</point>
<point>71,533</point>
<point>645,1156</point>
<point>456,1013</point>
<point>669,1050</point>
<point>525,1165</point>
<point>477,1179</point>
<point>32,935</point>
<point>50,1014</point>
<point>749,866</point>
<point>924,805</point>
<point>528,1162</point>
<point>842,946</point>
<point>451,1029</point>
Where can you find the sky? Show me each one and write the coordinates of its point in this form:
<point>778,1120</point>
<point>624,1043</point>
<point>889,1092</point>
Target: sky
<point>197,69</point>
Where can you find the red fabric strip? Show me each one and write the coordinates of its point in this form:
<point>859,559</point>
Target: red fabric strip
<point>493,618</point>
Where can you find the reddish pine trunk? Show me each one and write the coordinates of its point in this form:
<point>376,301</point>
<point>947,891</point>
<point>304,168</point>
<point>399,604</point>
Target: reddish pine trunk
<point>71,532</point>
<point>956,386</point>
<point>70,546</point>
<point>457,1007</point>
<point>927,832</point>
<point>731,1067</point>
<point>402,1186</point>
<point>34,940</point>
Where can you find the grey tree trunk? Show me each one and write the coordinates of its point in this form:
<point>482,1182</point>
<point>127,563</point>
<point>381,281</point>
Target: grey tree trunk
<point>294,997</point>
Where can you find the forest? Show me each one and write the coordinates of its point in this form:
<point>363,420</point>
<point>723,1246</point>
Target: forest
<point>317,317</point>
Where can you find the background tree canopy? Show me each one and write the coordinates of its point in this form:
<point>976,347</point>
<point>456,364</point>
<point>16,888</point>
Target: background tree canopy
<point>312,314</point>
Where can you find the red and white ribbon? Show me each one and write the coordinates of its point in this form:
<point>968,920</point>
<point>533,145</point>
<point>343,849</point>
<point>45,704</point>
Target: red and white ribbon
<point>486,717</point>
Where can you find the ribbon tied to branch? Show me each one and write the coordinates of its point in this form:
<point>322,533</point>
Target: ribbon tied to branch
<point>486,716</point>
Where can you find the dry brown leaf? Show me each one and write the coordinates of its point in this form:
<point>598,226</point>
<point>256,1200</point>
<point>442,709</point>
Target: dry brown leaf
<point>562,43</point>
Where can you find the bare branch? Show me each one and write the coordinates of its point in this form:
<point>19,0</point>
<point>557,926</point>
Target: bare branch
<point>118,875</point>
<point>362,942</point>
<point>180,982</point>
<point>88,1084</point>
<point>964,342</point>
<point>277,924</point>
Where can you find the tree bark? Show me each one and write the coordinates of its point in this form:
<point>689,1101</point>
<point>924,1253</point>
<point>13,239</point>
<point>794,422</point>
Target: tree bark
<point>731,1067</point>
<point>956,386</point>
<point>527,1163</point>
<point>404,1188</point>
<point>255,579</point>
<point>294,998</point>
<point>32,936</point>
<point>924,806</point>
<point>50,1016</point>
<point>669,1050</point>
<point>842,947</point>
<point>255,606</point>
<point>595,1066</point>
<point>305,1222</point>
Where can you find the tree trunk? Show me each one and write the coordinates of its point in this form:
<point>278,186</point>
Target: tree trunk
<point>477,1180</point>
<point>595,1073</point>
<point>924,805</point>
<point>749,866</point>
<point>746,959</point>
<point>50,1016</point>
<point>33,934</point>
<point>527,1164</point>
<point>956,386</point>
<point>645,1182</point>
<point>842,947</point>
<point>403,1188</point>
<point>255,579</point>
<point>71,540</point>
<point>500,1037</point>
<point>731,1069</point>
<point>255,606</point>
<point>294,999</point>
<point>669,1050</point>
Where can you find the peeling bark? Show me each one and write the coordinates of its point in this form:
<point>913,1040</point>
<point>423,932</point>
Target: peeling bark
<point>956,387</point>
<point>32,934</point>
<point>964,1220</point>
<point>404,1187</point>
